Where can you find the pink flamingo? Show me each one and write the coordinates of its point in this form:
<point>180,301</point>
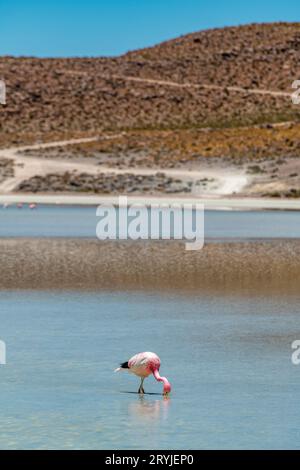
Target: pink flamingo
<point>143,364</point>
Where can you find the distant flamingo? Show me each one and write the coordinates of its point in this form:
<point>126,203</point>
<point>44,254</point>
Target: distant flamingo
<point>32,206</point>
<point>144,364</point>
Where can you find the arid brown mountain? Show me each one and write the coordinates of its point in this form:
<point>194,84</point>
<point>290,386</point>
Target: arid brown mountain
<point>255,56</point>
<point>181,84</point>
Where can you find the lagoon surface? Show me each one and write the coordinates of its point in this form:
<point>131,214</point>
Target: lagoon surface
<point>75,221</point>
<point>226,351</point>
<point>227,357</point>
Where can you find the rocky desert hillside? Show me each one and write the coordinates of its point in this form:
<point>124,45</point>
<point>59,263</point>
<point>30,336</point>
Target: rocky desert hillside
<point>142,90</point>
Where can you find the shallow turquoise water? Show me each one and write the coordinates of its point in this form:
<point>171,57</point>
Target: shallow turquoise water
<point>228,359</point>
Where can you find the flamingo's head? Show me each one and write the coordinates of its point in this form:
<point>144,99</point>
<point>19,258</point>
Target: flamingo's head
<point>167,388</point>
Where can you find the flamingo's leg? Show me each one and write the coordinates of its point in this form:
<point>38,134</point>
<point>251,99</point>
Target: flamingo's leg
<point>141,389</point>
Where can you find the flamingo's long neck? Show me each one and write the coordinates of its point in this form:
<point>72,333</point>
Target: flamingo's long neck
<point>161,379</point>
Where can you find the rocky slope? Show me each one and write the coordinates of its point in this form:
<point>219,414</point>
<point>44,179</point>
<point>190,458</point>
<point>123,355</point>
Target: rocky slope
<point>59,98</point>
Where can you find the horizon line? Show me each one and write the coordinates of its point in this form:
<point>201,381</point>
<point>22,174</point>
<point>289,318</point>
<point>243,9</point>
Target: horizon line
<point>109,56</point>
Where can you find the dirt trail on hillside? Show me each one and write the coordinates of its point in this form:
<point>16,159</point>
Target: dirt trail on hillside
<point>170,83</point>
<point>206,86</point>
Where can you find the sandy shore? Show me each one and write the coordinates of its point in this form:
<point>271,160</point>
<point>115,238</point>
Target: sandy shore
<point>217,187</point>
<point>218,181</point>
<point>269,266</point>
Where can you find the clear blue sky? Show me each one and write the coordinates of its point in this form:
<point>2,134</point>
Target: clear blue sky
<point>49,28</point>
